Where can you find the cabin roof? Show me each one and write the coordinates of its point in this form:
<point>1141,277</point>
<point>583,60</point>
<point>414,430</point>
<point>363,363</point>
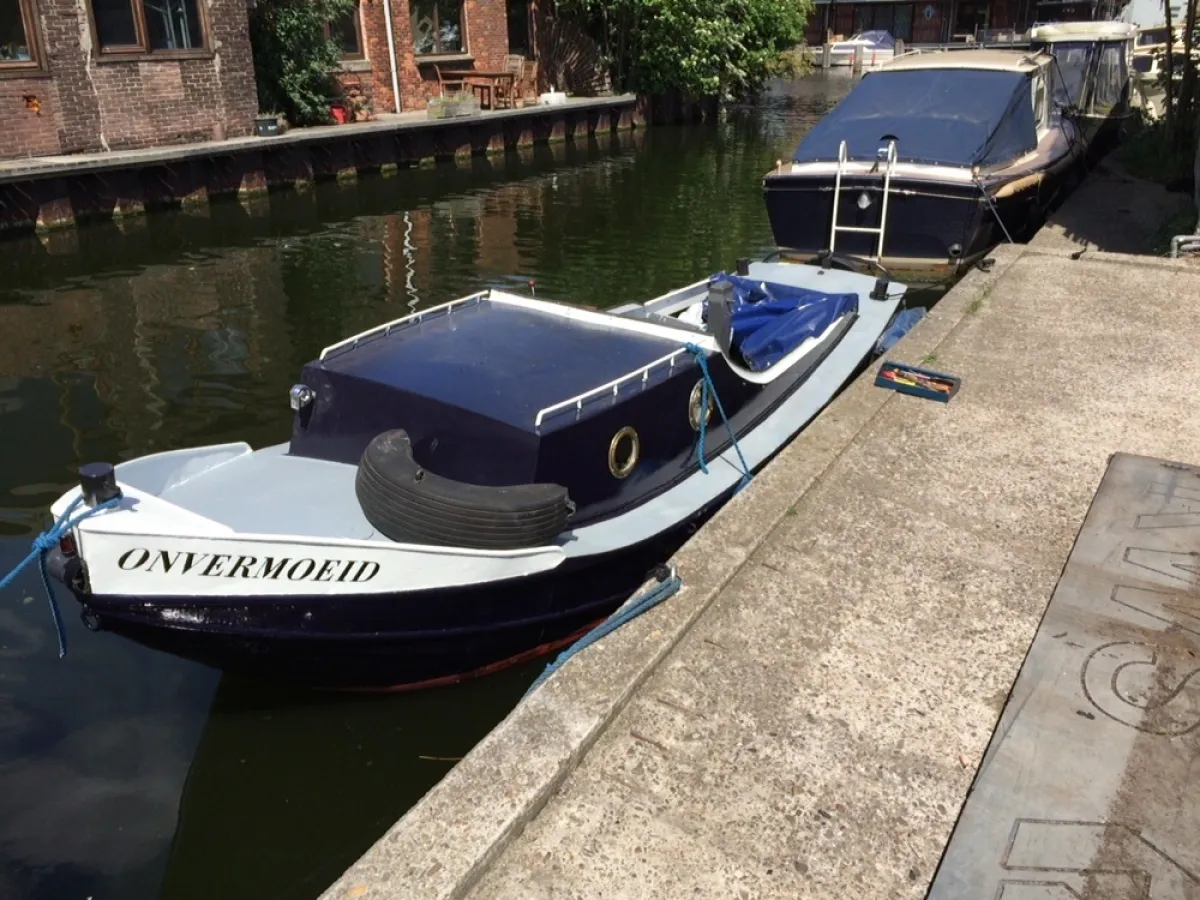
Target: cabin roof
<point>1084,31</point>
<point>502,360</point>
<point>996,60</point>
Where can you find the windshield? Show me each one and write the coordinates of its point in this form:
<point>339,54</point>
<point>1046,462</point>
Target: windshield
<point>1152,36</point>
<point>1073,59</point>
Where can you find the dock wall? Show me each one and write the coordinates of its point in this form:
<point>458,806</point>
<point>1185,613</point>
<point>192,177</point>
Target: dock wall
<point>44,194</point>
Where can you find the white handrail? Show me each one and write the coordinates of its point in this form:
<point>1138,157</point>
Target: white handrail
<point>386,327</point>
<point>614,386</point>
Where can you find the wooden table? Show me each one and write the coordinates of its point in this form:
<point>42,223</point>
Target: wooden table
<point>482,82</point>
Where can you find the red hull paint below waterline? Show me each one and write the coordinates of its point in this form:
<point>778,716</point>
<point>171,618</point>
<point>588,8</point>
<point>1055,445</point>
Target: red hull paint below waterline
<point>483,671</point>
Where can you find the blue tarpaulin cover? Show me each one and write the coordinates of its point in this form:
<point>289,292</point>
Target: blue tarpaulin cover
<point>770,320</point>
<point>901,325</point>
<point>950,116</point>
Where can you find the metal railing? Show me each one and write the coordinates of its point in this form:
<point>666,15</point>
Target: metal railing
<point>412,318</point>
<point>614,386</point>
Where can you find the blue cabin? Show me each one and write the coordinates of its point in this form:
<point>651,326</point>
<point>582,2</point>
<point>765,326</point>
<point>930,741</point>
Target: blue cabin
<point>499,390</point>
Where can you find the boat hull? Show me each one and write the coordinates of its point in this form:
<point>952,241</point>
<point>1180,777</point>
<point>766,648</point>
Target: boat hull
<point>392,641</point>
<point>933,229</point>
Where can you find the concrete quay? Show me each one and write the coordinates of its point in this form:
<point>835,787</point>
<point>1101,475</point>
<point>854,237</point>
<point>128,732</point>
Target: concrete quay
<point>46,193</point>
<point>805,719</point>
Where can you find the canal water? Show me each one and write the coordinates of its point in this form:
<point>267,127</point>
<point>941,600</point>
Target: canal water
<point>126,774</point>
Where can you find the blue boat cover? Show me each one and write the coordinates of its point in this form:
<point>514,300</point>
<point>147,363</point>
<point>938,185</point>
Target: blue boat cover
<point>770,320</point>
<point>960,117</point>
<point>901,325</point>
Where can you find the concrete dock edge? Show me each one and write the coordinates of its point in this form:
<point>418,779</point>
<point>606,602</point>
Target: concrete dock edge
<point>442,846</point>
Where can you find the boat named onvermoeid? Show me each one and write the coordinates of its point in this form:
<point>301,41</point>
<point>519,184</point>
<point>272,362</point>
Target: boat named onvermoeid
<point>468,486</point>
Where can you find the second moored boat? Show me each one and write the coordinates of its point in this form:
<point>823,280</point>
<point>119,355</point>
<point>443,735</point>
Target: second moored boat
<point>930,162</point>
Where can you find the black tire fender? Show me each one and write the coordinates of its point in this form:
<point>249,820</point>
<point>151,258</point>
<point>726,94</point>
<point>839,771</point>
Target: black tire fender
<point>412,505</point>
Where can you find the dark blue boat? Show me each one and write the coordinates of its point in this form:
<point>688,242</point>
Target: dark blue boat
<point>470,485</point>
<point>930,162</point>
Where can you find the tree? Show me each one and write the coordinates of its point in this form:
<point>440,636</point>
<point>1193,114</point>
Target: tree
<point>700,48</point>
<point>294,60</point>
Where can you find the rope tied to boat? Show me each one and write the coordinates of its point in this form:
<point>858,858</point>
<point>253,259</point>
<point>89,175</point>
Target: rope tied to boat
<point>667,584</point>
<point>706,388</point>
<point>45,542</point>
<point>995,212</point>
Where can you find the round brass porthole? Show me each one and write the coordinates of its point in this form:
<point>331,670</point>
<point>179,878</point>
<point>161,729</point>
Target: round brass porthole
<point>694,406</point>
<point>623,452</point>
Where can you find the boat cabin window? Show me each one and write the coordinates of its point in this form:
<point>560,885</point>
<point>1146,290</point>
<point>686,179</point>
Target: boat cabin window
<point>1151,36</point>
<point>1074,59</point>
<point>1040,111</point>
<point>1057,90</point>
<point>1111,76</point>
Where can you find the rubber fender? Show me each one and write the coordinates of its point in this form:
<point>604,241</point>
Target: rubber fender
<point>412,505</point>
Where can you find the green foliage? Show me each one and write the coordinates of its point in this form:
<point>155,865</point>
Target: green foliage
<point>293,60</point>
<point>700,48</point>
<point>1149,152</point>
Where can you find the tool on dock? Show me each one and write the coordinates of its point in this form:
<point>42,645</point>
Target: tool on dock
<point>917,382</point>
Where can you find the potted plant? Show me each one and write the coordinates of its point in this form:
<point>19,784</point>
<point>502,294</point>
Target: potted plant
<point>358,106</point>
<point>268,124</point>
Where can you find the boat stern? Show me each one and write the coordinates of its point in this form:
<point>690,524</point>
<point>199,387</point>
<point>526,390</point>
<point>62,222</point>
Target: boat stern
<point>929,226</point>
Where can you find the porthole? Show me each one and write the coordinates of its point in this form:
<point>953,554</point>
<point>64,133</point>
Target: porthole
<point>694,407</point>
<point>623,452</point>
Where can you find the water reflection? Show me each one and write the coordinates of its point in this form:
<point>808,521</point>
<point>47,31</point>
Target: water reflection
<point>116,341</point>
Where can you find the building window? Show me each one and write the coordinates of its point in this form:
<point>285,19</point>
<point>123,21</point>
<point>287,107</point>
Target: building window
<point>972,18</point>
<point>519,43</point>
<point>437,26</point>
<point>147,26</point>
<point>346,32</point>
<point>18,35</point>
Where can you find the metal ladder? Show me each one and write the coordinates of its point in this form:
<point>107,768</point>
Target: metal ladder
<point>837,195</point>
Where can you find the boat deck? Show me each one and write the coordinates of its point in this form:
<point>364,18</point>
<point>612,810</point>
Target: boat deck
<point>505,361</point>
<point>327,507</point>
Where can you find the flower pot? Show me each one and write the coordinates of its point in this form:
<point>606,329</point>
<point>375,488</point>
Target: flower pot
<point>267,126</point>
<point>339,113</point>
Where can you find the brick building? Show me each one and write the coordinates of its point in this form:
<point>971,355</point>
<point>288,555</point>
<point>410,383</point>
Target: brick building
<point>920,22</point>
<point>459,34</point>
<point>91,75</point>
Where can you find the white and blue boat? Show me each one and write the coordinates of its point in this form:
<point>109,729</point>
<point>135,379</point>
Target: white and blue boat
<point>468,486</point>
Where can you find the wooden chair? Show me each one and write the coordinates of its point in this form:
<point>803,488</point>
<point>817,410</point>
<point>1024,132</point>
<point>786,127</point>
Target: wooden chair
<point>528,82</point>
<point>506,94</point>
<point>454,83</point>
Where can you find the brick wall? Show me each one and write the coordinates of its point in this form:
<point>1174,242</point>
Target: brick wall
<point>486,30</point>
<point>92,104</point>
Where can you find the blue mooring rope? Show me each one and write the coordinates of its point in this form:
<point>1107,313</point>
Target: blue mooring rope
<point>708,385</point>
<point>637,605</point>
<point>46,541</point>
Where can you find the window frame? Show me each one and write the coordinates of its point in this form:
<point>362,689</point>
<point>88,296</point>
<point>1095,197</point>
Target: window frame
<point>435,55</point>
<point>361,55</point>
<point>142,50</point>
<point>1041,104</point>
<point>36,64</point>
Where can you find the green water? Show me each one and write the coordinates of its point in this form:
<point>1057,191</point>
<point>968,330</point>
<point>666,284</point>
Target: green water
<point>125,773</point>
